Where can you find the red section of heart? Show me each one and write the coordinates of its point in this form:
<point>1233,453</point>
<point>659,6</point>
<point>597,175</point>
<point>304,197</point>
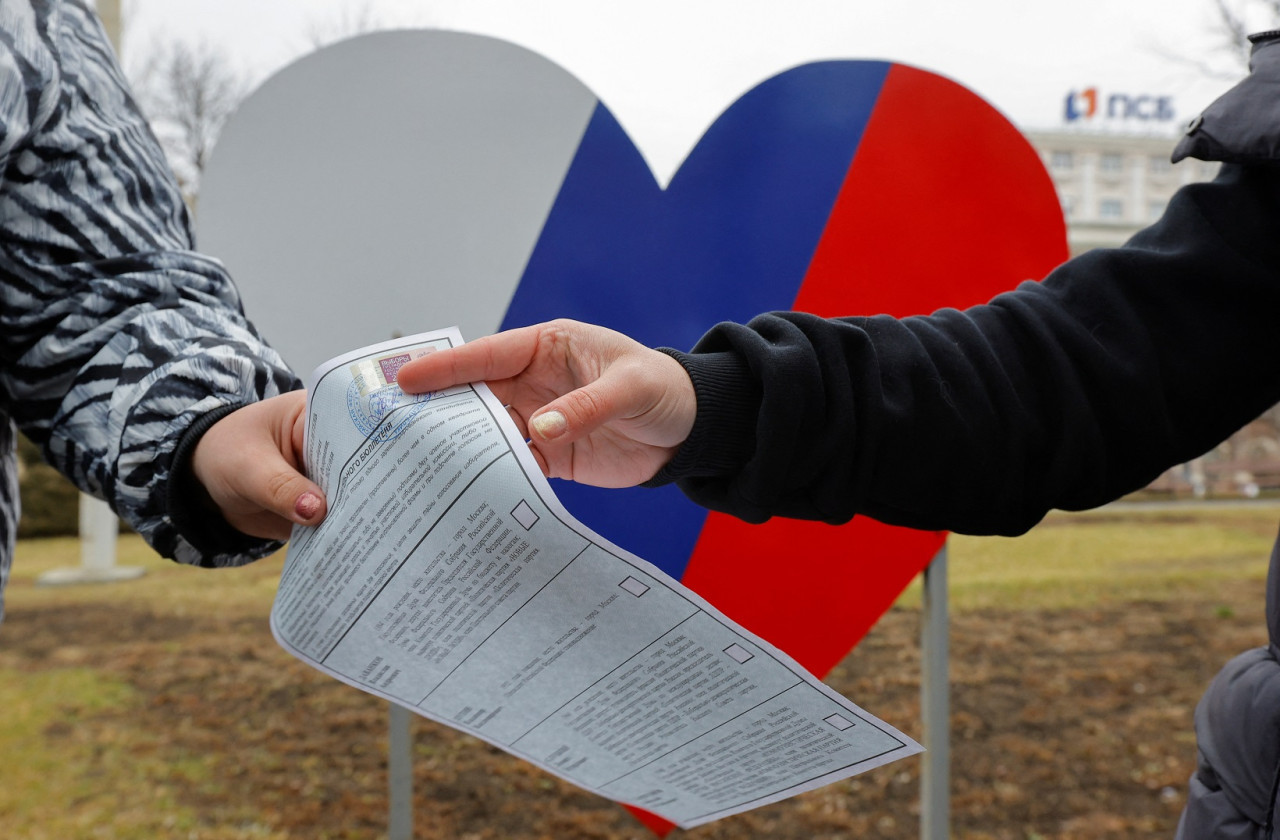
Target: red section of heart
<point>945,205</point>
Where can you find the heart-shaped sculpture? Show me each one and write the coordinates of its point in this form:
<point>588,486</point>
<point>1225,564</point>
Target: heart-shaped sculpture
<point>425,178</point>
<point>841,187</point>
<point>836,188</point>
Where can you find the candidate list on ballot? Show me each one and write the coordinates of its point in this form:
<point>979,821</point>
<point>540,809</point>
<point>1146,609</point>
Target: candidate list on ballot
<point>448,578</point>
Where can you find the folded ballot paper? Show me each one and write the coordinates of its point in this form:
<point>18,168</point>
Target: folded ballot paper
<point>447,578</point>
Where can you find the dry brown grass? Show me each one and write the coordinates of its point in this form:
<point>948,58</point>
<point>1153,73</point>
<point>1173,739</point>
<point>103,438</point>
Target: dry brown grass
<point>162,708</point>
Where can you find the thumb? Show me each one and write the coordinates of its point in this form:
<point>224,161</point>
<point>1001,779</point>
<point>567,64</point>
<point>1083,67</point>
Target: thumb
<point>648,391</point>
<point>580,412</point>
<point>309,503</point>
<point>292,495</point>
<point>273,478</point>
<point>248,463</point>
<point>268,495</point>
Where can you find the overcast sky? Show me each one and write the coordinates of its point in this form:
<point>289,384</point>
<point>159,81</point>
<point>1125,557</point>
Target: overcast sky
<point>667,68</point>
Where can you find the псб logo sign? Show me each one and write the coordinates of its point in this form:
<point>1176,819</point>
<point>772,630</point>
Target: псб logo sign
<point>1083,105</point>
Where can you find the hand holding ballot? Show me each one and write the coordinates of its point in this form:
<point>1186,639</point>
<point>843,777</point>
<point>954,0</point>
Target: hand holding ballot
<point>250,463</point>
<point>449,579</point>
<point>597,407</point>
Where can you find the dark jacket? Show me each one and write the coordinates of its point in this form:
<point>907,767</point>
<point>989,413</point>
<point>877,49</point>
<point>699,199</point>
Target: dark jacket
<point>1066,393</point>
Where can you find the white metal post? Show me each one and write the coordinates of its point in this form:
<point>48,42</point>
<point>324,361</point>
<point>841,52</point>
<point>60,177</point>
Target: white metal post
<point>935,703</point>
<point>99,529</point>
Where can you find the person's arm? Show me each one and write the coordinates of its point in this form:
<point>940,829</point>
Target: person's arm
<point>118,339</point>
<point>1061,394</point>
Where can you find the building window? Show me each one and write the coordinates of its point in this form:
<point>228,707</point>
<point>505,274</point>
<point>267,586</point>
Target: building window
<point>1068,206</point>
<point>1155,209</point>
<point>1159,165</point>
<point>1111,209</point>
<point>1061,161</point>
<point>1111,163</point>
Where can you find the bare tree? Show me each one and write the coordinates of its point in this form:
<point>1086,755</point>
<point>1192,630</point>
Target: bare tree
<point>354,19</point>
<point>1236,20</point>
<point>1230,23</point>
<point>189,90</point>
<point>187,93</point>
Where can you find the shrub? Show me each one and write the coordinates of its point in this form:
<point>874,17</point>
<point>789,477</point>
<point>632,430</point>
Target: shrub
<point>50,503</point>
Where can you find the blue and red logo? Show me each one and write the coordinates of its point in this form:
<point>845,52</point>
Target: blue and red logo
<point>1088,104</point>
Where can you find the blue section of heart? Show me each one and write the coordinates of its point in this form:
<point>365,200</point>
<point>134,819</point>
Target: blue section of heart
<point>731,237</point>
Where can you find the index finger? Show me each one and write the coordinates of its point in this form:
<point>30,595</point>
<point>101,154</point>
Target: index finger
<point>498,356</point>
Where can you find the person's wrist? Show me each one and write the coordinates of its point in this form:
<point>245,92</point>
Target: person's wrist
<point>722,437</point>
<point>191,509</point>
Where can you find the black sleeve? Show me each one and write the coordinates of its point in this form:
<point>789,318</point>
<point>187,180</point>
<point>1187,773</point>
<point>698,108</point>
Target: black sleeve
<point>1061,394</point>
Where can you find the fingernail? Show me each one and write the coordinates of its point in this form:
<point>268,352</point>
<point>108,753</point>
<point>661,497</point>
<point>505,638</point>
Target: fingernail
<point>549,426</point>
<point>307,506</point>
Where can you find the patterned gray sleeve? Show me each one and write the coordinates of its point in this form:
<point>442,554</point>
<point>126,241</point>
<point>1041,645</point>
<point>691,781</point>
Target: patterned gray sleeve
<point>115,334</point>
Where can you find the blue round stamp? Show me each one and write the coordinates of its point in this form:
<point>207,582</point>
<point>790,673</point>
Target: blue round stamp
<point>384,413</point>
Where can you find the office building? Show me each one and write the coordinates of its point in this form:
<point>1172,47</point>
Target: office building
<point>1113,184</point>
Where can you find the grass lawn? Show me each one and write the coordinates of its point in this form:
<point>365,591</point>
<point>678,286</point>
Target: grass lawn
<point>1119,554</point>
<point>120,783</point>
<point>127,726</point>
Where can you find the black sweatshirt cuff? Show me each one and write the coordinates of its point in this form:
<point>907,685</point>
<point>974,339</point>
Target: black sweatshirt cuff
<point>723,437</point>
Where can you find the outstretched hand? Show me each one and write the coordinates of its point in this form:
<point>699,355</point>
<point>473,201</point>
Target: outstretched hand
<point>596,406</point>
<point>250,464</point>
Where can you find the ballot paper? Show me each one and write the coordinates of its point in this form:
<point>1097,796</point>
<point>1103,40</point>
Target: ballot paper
<point>447,578</point>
